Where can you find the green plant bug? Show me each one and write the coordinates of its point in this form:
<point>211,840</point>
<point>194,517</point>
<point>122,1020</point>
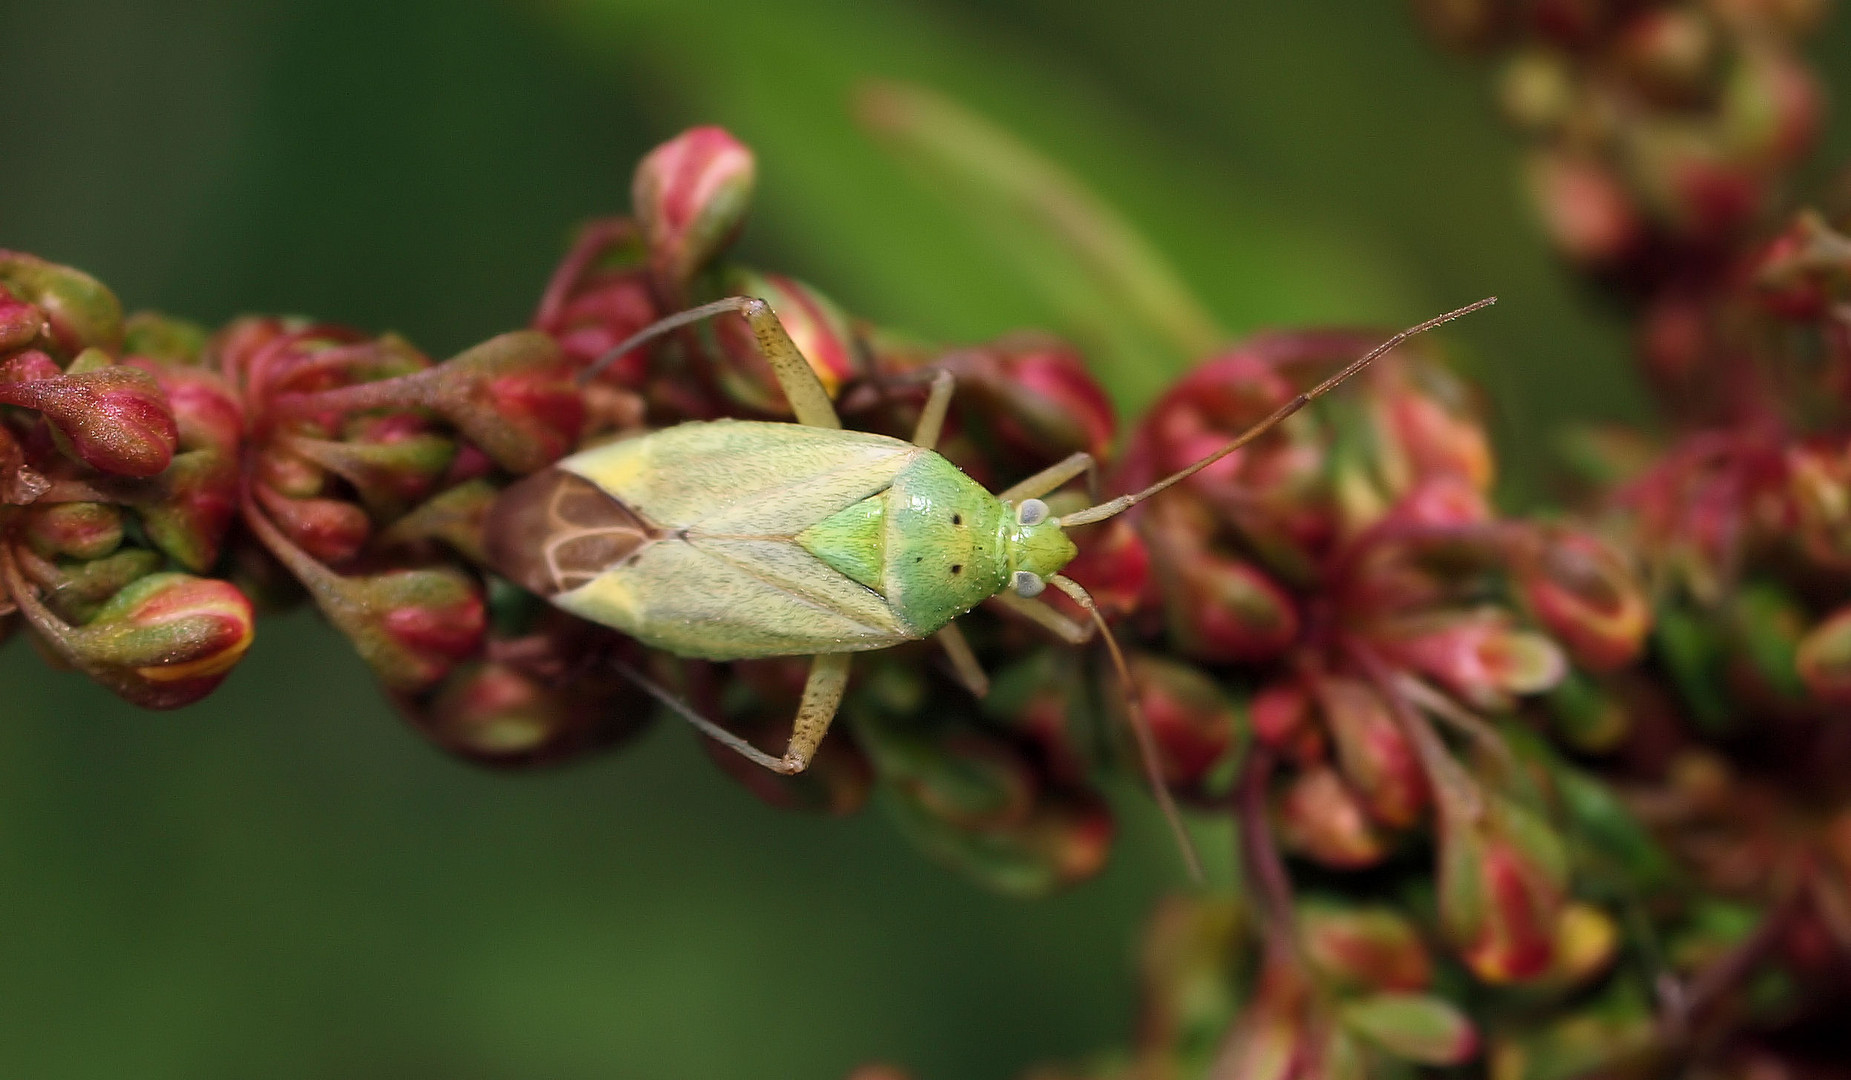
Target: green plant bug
<point>737,539</point>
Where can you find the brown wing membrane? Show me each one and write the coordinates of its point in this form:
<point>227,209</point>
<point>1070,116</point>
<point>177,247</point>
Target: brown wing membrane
<point>554,531</point>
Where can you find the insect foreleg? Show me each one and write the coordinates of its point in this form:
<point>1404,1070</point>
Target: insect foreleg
<point>1052,477</point>
<point>964,664</point>
<point>932,417</point>
<point>1069,631</point>
<point>821,695</point>
<point>809,401</point>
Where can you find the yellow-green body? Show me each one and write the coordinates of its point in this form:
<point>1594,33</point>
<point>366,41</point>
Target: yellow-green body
<point>768,539</point>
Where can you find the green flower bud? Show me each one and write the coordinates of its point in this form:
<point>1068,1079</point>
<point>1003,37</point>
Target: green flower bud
<point>77,530</point>
<point>81,312</point>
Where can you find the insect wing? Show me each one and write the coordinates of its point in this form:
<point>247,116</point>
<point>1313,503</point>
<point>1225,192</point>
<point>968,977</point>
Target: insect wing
<point>744,477</point>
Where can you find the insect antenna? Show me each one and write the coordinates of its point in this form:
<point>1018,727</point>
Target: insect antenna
<point>1117,506</point>
<point>1147,743</point>
<point>656,329</point>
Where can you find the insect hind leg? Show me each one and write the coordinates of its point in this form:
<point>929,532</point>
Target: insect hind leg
<point>822,694</point>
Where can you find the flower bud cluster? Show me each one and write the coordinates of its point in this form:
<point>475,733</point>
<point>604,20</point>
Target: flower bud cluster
<point>1659,132</point>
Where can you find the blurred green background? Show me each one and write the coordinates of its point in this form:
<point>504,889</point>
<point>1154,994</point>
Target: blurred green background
<point>284,882</point>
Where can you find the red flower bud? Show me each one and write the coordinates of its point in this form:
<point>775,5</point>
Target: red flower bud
<point>114,418</point>
<point>1582,591</point>
<point>1286,1031</point>
<point>199,499</point>
<point>1502,876</point>
<point>78,530</point>
<point>690,197</point>
<point>163,641</point>
<point>1373,753</point>
<point>1363,948</point>
<point>598,297</point>
<point>512,396</point>
<point>80,311</point>
<point>1323,820</point>
<point>207,413</point>
<point>332,531</point>
<point>1192,722</point>
<point>1114,566</point>
<point>1281,713</point>
<point>410,626</point>
<point>1218,608</point>
<point>815,324</point>
<point>1586,212</point>
<point>1035,393</point>
<point>20,323</point>
<point>1824,659</point>
<point>1480,656</point>
<point>1426,431</point>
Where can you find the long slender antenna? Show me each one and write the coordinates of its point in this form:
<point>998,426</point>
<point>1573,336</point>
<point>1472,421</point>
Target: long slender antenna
<point>1147,743</point>
<point>1125,502</point>
<point>656,329</point>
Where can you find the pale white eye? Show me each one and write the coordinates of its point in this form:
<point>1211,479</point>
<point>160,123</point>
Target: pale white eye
<point>1027,584</point>
<point>1031,512</point>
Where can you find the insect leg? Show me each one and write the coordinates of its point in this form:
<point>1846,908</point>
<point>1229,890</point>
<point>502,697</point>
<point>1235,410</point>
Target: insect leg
<point>1069,631</point>
<point>821,695</point>
<point>1052,477</point>
<point>964,663</point>
<point>932,417</point>
<point>809,401</point>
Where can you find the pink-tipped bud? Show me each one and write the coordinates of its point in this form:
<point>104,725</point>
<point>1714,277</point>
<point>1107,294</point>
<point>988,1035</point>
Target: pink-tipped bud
<point>1824,659</point>
<point>412,627</point>
<point>1585,210</point>
<point>1583,592</point>
<point>199,499</point>
<point>1281,714</point>
<point>690,196</point>
<point>1428,432</point>
<point>1363,948</point>
<point>1035,394</point>
<point>392,462</point>
<point>83,530</point>
<point>20,323</point>
<point>80,311</point>
<point>1481,657</point>
<point>1373,753</point>
<point>332,531</point>
<point>1113,566</point>
<point>1218,608</point>
<point>1321,818</point>
<point>820,330</point>
<point>163,641</point>
<point>514,397</point>
<point>1502,877</point>
<point>1190,719</point>
<point>112,418</point>
<point>207,413</point>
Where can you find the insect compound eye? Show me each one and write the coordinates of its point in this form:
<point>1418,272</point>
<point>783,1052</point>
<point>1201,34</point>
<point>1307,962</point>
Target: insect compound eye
<point>1031,512</point>
<point>1027,584</point>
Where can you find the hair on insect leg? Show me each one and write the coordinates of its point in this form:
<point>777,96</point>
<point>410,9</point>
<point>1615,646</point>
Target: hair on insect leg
<point>1140,727</point>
